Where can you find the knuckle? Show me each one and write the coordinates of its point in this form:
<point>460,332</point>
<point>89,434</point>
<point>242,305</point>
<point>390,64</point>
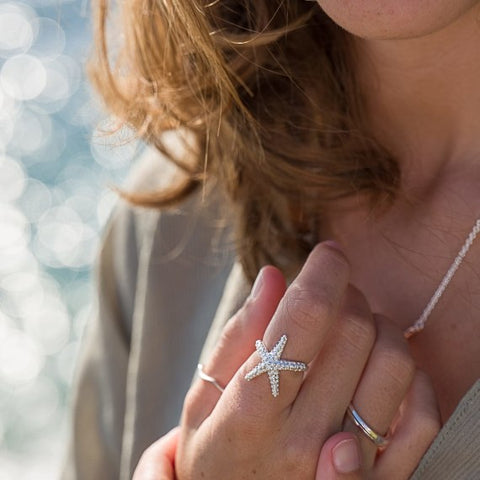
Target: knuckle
<point>232,331</point>
<point>404,365</point>
<point>244,416</point>
<point>339,263</point>
<point>244,432</point>
<point>332,259</point>
<point>359,331</point>
<point>429,425</point>
<point>306,307</point>
<point>299,458</point>
<point>190,406</point>
<point>398,363</point>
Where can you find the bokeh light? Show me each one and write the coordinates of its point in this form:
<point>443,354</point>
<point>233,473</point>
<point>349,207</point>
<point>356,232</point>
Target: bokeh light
<point>21,359</point>
<point>49,38</point>
<point>63,78</point>
<point>36,199</point>
<point>16,29</point>
<point>30,133</point>
<point>12,179</point>
<point>63,239</point>
<point>23,77</point>
<point>15,228</point>
<point>54,200</point>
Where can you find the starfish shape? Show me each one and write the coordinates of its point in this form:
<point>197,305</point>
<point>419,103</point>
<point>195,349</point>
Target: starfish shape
<point>272,364</point>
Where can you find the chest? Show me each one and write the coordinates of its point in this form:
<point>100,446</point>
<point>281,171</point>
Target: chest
<point>398,267</point>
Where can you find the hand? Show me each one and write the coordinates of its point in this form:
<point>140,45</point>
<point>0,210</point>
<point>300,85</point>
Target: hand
<point>416,425</point>
<point>339,457</point>
<point>157,462</point>
<point>352,357</point>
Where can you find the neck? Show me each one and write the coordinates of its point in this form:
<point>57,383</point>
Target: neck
<point>425,100</point>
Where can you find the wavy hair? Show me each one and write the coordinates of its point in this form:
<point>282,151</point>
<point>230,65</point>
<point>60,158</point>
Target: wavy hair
<point>267,90</point>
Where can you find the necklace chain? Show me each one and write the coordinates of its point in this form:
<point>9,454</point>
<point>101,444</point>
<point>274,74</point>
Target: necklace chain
<point>419,325</point>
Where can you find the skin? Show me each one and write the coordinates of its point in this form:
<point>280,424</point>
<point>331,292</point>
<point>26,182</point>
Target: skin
<point>422,99</point>
<point>418,65</point>
<point>390,19</point>
<point>158,461</point>
<point>351,354</point>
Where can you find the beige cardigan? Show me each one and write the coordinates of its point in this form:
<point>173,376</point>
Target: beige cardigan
<point>162,278</point>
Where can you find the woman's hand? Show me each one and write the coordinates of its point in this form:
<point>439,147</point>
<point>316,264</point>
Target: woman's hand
<point>340,457</point>
<point>353,357</point>
<point>414,428</point>
<point>245,434</point>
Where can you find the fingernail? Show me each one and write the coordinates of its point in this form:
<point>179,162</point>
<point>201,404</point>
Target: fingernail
<point>346,457</point>
<point>333,244</point>
<point>257,286</point>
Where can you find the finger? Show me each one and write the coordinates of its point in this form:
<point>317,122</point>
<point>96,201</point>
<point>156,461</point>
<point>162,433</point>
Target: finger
<point>384,384</point>
<point>234,345</point>
<point>157,462</point>
<point>305,314</point>
<point>340,458</point>
<point>417,425</point>
<point>336,371</point>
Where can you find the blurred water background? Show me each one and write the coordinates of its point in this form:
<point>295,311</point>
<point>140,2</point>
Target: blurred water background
<point>55,170</point>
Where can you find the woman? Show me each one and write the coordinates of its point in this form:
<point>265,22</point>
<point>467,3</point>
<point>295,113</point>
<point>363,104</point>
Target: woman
<point>354,122</point>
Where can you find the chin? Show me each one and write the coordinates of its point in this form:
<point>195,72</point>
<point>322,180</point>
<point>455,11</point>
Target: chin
<point>396,19</point>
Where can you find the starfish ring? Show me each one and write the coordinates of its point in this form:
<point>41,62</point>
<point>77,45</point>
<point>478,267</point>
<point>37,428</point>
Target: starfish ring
<point>272,364</point>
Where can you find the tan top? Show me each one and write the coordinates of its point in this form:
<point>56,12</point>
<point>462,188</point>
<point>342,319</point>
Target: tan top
<point>162,278</point>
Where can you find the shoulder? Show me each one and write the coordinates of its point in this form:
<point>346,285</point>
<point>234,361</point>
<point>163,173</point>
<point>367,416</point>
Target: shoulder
<point>188,244</point>
<point>197,227</point>
<point>151,173</point>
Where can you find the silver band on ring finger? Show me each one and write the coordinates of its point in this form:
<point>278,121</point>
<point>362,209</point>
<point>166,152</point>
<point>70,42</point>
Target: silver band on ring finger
<point>380,441</point>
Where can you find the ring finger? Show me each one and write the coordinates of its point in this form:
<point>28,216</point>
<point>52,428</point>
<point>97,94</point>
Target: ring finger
<point>383,386</point>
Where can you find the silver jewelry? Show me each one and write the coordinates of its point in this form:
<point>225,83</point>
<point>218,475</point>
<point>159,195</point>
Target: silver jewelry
<point>208,378</point>
<point>379,440</point>
<point>419,325</point>
<point>272,364</point>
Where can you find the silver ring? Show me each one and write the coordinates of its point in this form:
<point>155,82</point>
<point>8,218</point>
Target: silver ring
<point>379,440</point>
<point>272,363</point>
<point>208,378</point>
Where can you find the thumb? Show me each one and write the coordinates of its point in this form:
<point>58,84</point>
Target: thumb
<point>157,462</point>
<point>340,458</point>
<point>236,342</point>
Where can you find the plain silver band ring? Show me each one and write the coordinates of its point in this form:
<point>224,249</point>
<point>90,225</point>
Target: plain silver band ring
<point>379,440</point>
<point>208,378</point>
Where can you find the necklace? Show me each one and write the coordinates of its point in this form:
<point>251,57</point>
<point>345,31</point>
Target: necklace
<point>419,325</point>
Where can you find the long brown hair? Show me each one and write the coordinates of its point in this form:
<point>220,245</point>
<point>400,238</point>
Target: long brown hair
<point>267,90</point>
